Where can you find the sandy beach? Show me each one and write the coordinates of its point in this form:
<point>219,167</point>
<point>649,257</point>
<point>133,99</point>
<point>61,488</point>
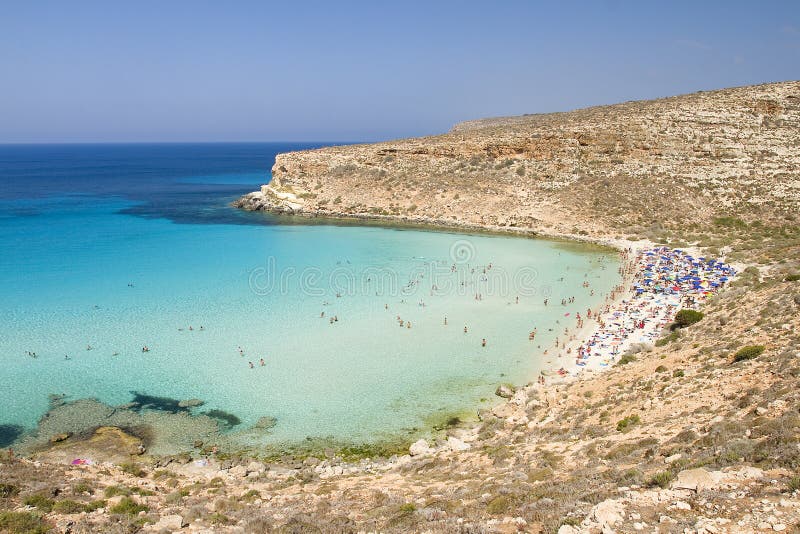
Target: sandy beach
<point>656,283</point>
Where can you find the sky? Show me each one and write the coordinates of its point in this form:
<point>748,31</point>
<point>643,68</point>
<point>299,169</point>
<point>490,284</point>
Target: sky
<point>173,71</point>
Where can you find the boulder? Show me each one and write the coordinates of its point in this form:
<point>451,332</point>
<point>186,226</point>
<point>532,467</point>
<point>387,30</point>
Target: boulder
<point>457,445</point>
<point>170,523</point>
<point>694,479</point>
<point>255,467</point>
<point>608,513</point>
<point>505,390</point>
<point>419,447</point>
<point>238,471</point>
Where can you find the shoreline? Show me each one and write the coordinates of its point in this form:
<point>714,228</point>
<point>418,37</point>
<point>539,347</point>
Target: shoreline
<point>458,438</point>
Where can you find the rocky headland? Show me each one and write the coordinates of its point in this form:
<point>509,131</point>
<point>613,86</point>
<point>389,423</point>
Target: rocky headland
<point>698,432</point>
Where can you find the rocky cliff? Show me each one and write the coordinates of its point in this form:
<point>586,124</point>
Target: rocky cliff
<point>638,168</point>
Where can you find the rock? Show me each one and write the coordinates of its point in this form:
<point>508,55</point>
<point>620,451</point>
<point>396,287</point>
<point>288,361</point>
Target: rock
<point>419,447</point>
<point>170,523</point>
<point>761,410</point>
<point>682,505</point>
<point>190,403</point>
<point>113,501</point>
<point>750,473</point>
<point>457,445</point>
<point>567,529</point>
<point>503,410</point>
<point>778,527</point>
<point>58,438</point>
<point>673,458</point>
<point>505,390</point>
<point>265,423</point>
<point>608,513</point>
<point>694,479</point>
<point>238,471</point>
<point>255,467</point>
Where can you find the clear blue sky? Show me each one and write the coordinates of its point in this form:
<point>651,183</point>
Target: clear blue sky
<point>171,70</point>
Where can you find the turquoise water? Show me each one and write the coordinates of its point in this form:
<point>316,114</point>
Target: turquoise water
<point>105,271</point>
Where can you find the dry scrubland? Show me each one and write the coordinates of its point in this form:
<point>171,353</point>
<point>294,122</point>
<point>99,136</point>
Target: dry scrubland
<point>685,436</point>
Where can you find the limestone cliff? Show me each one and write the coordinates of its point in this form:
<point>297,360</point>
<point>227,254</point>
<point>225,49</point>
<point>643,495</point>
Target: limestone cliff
<point>630,168</point>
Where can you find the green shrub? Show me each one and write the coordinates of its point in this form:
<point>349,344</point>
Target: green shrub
<point>8,490</point>
<point>661,479</point>
<point>661,369</point>
<point>677,373</point>
<point>128,506</point>
<point>499,505</point>
<point>39,501</point>
<point>748,353</point>
<point>68,507</point>
<point>623,425</point>
<point>792,277</point>
<point>219,519</point>
<point>667,339</point>
<point>132,469</point>
<point>22,523</point>
<point>626,359</point>
<point>113,491</point>
<point>794,483</point>
<point>82,487</point>
<point>686,318</point>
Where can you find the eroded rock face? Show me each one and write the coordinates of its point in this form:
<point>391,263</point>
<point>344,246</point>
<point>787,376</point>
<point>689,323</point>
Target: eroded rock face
<point>685,158</point>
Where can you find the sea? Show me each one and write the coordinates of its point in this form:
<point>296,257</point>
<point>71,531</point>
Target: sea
<point>127,278</point>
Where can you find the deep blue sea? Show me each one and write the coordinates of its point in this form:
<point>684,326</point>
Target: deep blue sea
<point>109,249</point>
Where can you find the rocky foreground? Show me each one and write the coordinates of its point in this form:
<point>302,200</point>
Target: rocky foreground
<point>697,433</point>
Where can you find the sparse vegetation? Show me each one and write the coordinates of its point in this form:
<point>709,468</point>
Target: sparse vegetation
<point>623,425</point>
<point>687,317</point>
<point>127,506</point>
<point>748,353</point>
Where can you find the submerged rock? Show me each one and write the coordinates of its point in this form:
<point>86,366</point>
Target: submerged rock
<point>61,436</point>
<point>265,423</point>
<point>190,403</point>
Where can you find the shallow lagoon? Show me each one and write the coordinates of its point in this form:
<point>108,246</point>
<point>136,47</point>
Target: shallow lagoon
<point>89,271</point>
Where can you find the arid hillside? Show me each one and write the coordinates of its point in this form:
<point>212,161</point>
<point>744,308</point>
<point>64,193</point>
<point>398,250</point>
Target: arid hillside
<point>634,169</point>
<point>698,433</point>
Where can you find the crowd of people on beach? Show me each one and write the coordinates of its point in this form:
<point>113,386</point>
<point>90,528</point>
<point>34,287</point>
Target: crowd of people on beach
<point>660,282</point>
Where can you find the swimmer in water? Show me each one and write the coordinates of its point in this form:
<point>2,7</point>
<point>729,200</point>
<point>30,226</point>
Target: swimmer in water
<point>261,362</point>
<point>465,329</point>
<point>483,342</point>
<point>251,365</point>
